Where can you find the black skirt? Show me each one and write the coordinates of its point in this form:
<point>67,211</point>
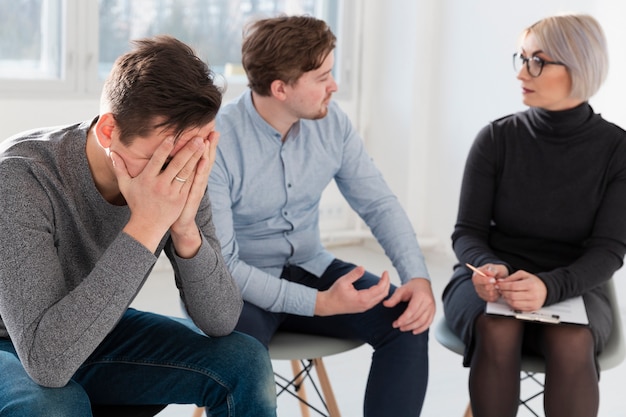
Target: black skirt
<point>462,306</point>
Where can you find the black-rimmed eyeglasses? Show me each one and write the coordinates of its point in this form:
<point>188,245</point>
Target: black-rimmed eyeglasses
<point>534,64</point>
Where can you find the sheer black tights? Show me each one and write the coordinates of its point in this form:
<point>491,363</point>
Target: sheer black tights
<point>571,383</point>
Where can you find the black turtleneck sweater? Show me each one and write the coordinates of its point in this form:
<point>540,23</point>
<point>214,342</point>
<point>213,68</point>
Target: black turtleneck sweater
<point>545,192</point>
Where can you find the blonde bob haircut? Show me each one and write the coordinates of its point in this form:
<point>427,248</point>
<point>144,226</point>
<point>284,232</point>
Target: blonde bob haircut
<point>578,41</point>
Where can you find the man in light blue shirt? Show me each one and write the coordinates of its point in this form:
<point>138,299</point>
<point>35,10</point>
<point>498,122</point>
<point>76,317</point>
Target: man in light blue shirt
<point>281,144</point>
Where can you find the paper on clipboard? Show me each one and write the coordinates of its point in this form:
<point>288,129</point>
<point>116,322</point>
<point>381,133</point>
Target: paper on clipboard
<point>569,311</point>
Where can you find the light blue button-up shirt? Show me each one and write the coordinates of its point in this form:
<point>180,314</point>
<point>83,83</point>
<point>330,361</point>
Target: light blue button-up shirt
<point>266,192</point>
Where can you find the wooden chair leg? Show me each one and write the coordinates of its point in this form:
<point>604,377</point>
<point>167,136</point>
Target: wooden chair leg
<point>322,375</point>
<point>468,411</point>
<point>299,379</point>
<point>329,396</point>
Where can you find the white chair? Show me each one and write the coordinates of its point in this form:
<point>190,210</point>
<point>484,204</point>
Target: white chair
<point>306,353</point>
<point>612,356</point>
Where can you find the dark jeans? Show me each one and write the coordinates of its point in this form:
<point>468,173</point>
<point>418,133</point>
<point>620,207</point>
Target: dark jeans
<point>399,370</point>
<point>150,359</point>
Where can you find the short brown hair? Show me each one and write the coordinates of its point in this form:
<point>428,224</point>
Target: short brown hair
<point>283,48</point>
<point>161,83</point>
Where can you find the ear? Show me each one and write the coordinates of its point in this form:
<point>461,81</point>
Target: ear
<point>278,89</point>
<point>105,126</point>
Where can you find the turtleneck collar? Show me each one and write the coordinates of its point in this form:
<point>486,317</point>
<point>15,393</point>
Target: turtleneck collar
<point>560,123</point>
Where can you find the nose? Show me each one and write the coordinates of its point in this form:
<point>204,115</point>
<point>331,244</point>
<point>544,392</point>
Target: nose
<point>522,64</point>
<point>332,87</point>
<point>523,73</point>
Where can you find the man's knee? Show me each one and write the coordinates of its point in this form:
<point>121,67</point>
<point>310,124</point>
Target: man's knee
<point>249,381</point>
<point>30,399</point>
<point>21,396</point>
<point>253,357</point>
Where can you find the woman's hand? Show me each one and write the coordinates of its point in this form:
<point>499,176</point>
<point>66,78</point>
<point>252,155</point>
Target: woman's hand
<point>485,281</point>
<point>523,291</point>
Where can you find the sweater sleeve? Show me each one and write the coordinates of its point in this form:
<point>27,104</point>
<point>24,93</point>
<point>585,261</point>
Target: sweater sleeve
<point>207,288</point>
<point>470,238</point>
<point>56,320</point>
<point>603,251</point>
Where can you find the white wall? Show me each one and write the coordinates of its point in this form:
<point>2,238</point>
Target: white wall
<point>433,73</point>
<point>399,92</point>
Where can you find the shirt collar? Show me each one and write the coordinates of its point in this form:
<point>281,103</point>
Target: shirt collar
<point>261,125</point>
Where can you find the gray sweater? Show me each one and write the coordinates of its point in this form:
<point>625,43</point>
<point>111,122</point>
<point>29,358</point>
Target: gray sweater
<point>68,272</point>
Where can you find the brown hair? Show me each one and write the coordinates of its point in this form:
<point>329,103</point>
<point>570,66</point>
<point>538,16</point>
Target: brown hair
<point>161,83</point>
<point>283,48</point>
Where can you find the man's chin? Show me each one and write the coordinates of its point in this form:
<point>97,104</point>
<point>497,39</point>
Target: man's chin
<point>321,114</point>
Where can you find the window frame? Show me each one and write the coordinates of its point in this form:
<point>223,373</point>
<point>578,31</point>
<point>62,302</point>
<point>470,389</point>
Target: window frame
<point>79,62</point>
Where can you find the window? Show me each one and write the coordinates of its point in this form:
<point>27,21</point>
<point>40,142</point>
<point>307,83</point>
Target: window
<point>32,42</point>
<point>30,39</point>
<point>70,45</point>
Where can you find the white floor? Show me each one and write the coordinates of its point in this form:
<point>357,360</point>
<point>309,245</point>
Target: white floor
<point>447,391</point>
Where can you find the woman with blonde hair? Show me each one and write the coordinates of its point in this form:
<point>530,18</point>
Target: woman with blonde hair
<point>541,214</point>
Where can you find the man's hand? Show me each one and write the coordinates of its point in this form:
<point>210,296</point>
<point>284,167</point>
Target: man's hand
<point>343,298</point>
<point>155,198</point>
<point>184,231</point>
<point>420,311</point>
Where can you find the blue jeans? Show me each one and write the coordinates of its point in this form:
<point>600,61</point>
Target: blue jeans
<point>399,370</point>
<point>150,359</point>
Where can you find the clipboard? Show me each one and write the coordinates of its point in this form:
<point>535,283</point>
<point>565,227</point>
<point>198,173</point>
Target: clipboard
<point>568,311</point>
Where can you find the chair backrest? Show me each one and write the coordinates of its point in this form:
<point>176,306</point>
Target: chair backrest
<point>615,349</point>
<point>612,355</point>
